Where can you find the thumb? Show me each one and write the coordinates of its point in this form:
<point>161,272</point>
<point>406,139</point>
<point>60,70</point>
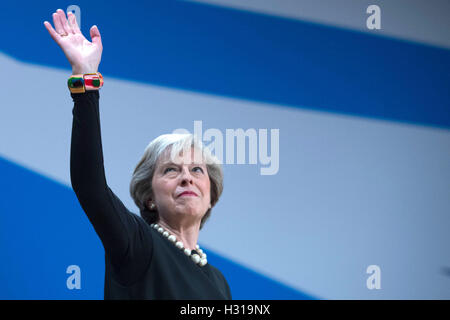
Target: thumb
<point>95,35</point>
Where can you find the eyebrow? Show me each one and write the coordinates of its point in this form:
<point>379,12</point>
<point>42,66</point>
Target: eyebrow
<point>175,164</point>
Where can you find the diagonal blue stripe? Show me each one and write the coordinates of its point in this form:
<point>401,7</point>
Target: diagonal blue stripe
<point>250,56</point>
<point>246,284</point>
<point>43,230</point>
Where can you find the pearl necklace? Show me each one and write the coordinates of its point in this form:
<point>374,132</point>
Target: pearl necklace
<point>198,259</point>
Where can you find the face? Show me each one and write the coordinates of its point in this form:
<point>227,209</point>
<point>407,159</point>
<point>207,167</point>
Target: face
<point>172,179</point>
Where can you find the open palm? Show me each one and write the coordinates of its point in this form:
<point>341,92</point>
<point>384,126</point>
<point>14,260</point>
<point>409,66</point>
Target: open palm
<point>84,56</point>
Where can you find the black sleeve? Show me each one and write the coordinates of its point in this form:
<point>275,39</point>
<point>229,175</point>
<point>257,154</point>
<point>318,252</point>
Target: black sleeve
<point>227,286</point>
<point>123,234</point>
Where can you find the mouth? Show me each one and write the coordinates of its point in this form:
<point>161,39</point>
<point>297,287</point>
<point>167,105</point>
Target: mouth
<point>188,194</point>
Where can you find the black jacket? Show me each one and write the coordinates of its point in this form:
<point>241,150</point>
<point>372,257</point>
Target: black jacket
<point>139,262</point>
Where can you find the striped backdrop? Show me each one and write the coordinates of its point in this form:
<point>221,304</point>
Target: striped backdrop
<point>363,164</point>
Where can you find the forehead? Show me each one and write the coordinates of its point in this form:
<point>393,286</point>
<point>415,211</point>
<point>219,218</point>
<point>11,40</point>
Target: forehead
<point>190,157</point>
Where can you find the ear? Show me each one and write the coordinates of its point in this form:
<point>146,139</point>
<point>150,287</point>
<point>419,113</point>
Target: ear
<point>148,203</point>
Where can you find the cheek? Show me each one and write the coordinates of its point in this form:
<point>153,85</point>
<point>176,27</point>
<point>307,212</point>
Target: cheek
<point>207,190</point>
<point>169,189</point>
<point>163,189</point>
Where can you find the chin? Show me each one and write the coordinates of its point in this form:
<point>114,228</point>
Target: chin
<point>194,212</point>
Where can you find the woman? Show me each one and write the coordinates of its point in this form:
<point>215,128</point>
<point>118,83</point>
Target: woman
<point>155,255</point>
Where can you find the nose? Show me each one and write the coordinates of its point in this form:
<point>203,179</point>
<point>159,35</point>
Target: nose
<point>186,177</point>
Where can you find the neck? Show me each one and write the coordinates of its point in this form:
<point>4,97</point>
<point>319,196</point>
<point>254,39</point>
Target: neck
<point>188,234</point>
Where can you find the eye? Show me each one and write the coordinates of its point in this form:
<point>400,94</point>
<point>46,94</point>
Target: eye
<point>201,170</point>
<point>167,169</point>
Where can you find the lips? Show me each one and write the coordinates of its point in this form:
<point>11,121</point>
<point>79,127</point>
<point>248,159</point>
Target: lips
<point>188,193</point>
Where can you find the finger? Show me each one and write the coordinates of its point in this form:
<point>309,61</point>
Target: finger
<point>55,36</point>
<point>57,23</point>
<point>73,22</point>
<point>64,23</point>
<point>95,36</point>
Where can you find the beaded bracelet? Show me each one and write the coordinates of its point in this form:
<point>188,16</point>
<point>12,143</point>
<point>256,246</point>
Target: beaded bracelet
<point>80,83</point>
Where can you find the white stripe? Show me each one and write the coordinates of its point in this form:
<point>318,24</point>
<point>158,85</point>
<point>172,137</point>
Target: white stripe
<point>350,192</point>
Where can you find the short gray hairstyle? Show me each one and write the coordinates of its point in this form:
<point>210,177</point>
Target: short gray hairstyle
<point>141,182</point>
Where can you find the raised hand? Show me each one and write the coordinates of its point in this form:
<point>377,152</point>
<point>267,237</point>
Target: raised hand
<point>84,56</point>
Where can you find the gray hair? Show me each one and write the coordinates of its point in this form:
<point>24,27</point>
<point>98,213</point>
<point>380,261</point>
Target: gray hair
<point>141,182</point>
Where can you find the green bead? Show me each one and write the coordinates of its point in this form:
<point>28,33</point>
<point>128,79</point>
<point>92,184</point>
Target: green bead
<point>75,82</point>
